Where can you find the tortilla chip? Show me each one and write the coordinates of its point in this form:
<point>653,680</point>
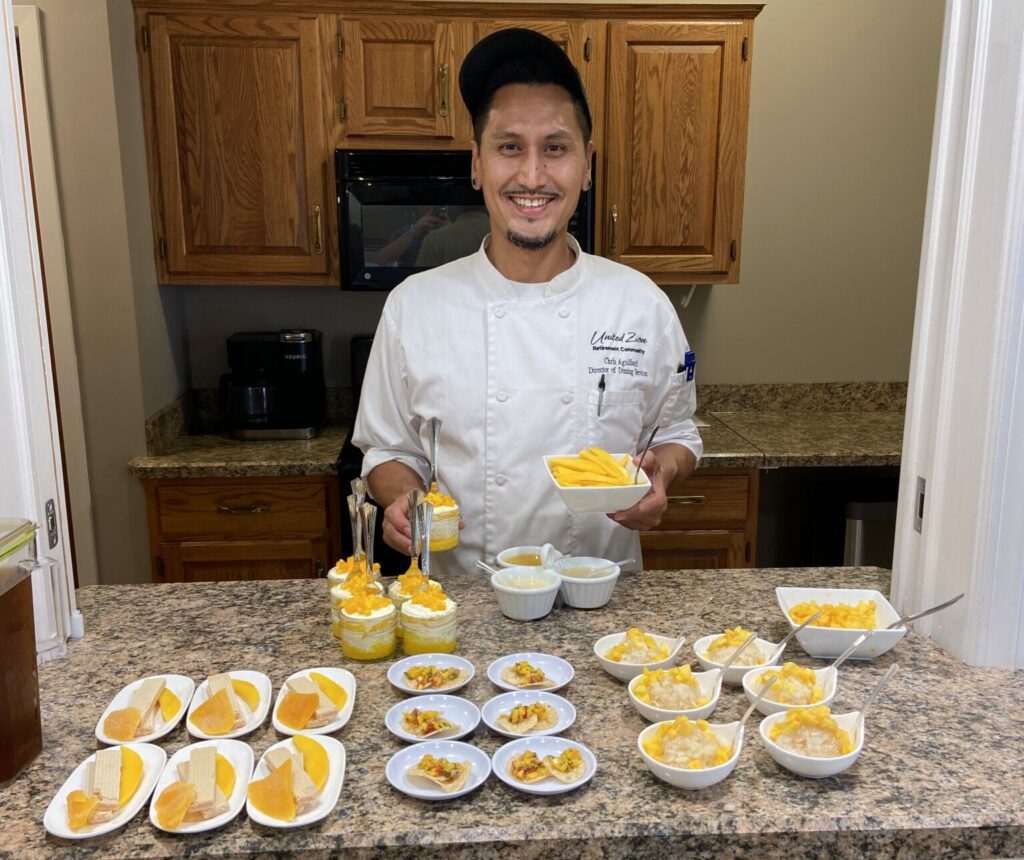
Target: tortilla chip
<point>510,676</point>
<point>527,768</point>
<point>453,783</point>
<point>425,677</point>
<point>525,725</point>
<point>573,774</point>
<point>547,718</point>
<point>436,724</point>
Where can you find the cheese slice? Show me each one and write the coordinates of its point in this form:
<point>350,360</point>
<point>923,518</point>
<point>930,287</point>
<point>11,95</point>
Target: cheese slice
<point>326,710</point>
<point>103,781</point>
<point>304,789</point>
<point>146,700</point>
<point>222,681</point>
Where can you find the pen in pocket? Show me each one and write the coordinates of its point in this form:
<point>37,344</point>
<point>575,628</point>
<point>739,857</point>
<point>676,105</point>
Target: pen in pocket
<point>600,394</point>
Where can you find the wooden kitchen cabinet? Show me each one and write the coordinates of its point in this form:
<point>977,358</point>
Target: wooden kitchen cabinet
<point>711,522</point>
<point>677,102</point>
<point>206,529</point>
<point>239,159</point>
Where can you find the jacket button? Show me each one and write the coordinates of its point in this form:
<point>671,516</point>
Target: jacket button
<point>563,312</point>
<point>567,398</point>
<point>500,480</point>
<point>502,396</point>
<point>499,313</point>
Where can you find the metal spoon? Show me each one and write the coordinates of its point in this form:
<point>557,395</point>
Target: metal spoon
<point>736,653</point>
<point>860,640</point>
<point>901,621</point>
<point>636,474</point>
<point>750,710</point>
<point>434,429</point>
<point>782,645</point>
<point>486,567</point>
<point>859,724</point>
<point>414,497</point>
<point>425,511</point>
<point>694,615</point>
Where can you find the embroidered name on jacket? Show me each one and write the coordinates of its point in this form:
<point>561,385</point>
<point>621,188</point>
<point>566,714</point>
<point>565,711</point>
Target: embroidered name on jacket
<point>620,352</point>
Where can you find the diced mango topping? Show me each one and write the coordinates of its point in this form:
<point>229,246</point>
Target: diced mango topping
<point>528,673</point>
<point>437,498</point>
<point>683,727</point>
<point>594,467</point>
<point>792,684</point>
<point>570,758</point>
<point>430,598</point>
<point>431,677</point>
<point>731,638</point>
<point>638,643</point>
<point>675,674</point>
<point>527,766</point>
<point>439,768</point>
<point>862,616</point>
<point>424,723</point>
<point>818,717</point>
<point>365,603</point>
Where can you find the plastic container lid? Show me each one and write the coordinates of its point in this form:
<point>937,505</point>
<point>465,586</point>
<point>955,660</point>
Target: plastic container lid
<point>14,534</point>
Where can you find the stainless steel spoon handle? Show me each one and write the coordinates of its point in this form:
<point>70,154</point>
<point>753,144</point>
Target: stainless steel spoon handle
<point>782,645</point>
<point>414,497</point>
<point>357,532</point>
<point>636,474</point>
<point>757,701</point>
<point>369,512</point>
<point>736,653</point>
<point>426,514</point>
<point>435,443</point>
<point>860,640</point>
<point>872,696</point>
<point>901,621</point>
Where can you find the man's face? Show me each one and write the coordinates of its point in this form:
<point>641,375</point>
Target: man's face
<point>532,163</point>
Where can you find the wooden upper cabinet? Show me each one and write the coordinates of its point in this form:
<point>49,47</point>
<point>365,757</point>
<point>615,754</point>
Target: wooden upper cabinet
<point>236,108</point>
<point>399,78</point>
<point>676,108</point>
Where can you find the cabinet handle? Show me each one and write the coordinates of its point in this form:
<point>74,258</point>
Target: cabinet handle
<point>318,235</point>
<point>442,80</point>
<point>258,508</point>
<point>613,241</point>
<point>687,500</point>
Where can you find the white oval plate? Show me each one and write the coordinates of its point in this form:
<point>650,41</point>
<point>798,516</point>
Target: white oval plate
<point>423,789</point>
<point>557,669</point>
<point>396,671</point>
<point>55,819</point>
<point>343,678</point>
<point>542,746</point>
<point>181,686</point>
<point>504,702</point>
<point>328,794</point>
<point>463,713</point>
<point>239,753</point>
<point>261,682</point>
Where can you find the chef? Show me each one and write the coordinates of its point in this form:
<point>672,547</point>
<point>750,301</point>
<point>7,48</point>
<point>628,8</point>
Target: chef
<point>528,346</point>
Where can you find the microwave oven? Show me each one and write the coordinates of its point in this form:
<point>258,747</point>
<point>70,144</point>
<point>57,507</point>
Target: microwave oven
<point>403,211</point>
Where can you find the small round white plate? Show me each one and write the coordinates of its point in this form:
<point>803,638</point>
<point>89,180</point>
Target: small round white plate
<point>423,789</point>
<point>240,755</point>
<point>181,686</point>
<point>343,678</point>
<point>396,672</point>
<point>556,669</point>
<point>328,794</point>
<point>262,684</point>
<point>463,713</point>
<point>55,819</point>
<point>503,703</point>
<point>543,747</point>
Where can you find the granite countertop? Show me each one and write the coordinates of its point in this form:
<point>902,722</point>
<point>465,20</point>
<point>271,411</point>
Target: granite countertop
<point>940,774</point>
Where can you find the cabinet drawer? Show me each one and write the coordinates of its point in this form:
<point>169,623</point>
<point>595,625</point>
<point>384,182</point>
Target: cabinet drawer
<point>708,501</point>
<point>257,509</point>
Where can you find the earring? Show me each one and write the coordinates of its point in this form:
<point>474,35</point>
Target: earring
<point>475,182</point>
<point>587,183</point>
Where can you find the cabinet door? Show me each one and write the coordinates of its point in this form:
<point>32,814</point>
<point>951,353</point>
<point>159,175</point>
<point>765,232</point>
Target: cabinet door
<point>677,102</point>
<point>399,78</point>
<point>237,104</point>
<point>693,550</point>
<point>216,561</point>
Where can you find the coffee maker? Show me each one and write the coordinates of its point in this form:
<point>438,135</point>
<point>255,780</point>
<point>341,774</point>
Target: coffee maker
<point>276,386</point>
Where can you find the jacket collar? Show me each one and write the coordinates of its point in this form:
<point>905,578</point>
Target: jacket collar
<point>497,286</point>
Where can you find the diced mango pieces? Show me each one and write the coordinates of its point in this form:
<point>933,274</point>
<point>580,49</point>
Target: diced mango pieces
<point>247,692</point>
<point>80,807</point>
<point>225,775</point>
<point>173,804</point>
<point>314,759</point>
<point>131,775</point>
<point>170,704</point>
<point>273,794</point>
<point>214,716</point>
<point>332,689</point>
<point>297,709</point>
<point>121,725</point>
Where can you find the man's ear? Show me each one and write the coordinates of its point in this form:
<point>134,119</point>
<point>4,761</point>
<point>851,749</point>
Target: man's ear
<point>474,170</point>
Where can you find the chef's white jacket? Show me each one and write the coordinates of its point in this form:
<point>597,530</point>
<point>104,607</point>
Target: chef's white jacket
<point>512,370</point>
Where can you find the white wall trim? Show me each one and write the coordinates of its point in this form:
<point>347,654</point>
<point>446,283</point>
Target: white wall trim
<point>964,419</point>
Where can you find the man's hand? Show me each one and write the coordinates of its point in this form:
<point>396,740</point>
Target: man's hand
<point>396,528</point>
<point>663,465</point>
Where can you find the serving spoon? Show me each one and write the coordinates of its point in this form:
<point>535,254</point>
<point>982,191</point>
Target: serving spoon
<point>435,443</point>
<point>858,726</point>
<point>636,474</point>
<point>749,711</point>
<point>782,645</point>
<point>901,621</point>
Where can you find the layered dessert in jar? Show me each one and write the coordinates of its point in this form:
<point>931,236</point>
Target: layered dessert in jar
<point>428,622</point>
<point>348,566</point>
<point>368,624</point>
<point>444,528</point>
<point>355,584</point>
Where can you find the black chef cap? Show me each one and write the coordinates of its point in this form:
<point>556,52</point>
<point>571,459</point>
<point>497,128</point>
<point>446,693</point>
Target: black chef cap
<point>515,56</point>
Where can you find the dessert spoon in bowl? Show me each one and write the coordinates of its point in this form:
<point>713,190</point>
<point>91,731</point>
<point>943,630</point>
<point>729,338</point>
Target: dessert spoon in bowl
<point>750,710</point>
<point>899,622</point>
<point>782,645</point>
<point>859,725</point>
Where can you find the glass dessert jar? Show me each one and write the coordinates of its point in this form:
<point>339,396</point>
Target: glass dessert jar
<point>444,528</point>
<point>368,624</point>
<point>429,620</point>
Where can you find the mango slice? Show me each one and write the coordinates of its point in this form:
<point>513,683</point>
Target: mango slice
<point>121,725</point>
<point>80,807</point>
<point>173,803</point>
<point>169,705</point>
<point>334,691</point>
<point>314,759</point>
<point>297,709</point>
<point>214,716</point>
<point>131,775</point>
<point>273,795</point>
<point>225,775</point>
<point>247,692</point>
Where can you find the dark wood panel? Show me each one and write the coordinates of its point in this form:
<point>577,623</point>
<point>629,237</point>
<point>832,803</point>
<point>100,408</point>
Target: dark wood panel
<point>243,560</point>
<point>693,550</point>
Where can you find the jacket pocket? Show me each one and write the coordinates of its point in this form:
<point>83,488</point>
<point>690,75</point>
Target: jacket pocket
<point>617,428</point>
<point>680,400</point>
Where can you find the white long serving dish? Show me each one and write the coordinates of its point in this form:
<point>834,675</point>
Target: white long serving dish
<point>827,643</point>
<point>329,794</point>
<point>181,686</point>
<point>343,678</point>
<point>256,718</point>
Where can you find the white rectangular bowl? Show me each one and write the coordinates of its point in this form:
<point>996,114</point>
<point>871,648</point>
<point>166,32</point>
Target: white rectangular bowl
<point>827,643</point>
<point>600,500</point>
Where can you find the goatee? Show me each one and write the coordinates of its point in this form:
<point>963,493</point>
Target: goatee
<point>530,243</point>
